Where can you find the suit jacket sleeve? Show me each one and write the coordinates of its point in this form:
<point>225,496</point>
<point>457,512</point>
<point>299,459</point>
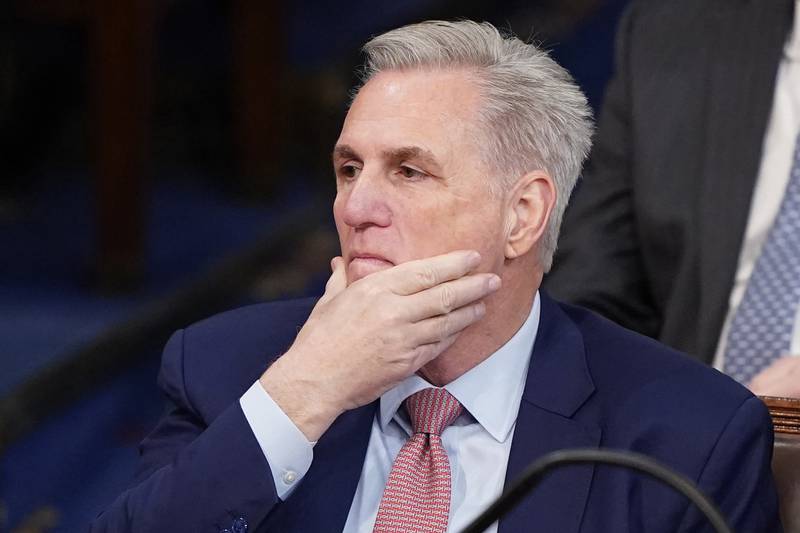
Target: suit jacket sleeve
<point>738,474</point>
<point>598,264</point>
<point>194,475</point>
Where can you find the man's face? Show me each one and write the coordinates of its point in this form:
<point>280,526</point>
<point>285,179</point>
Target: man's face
<point>410,180</point>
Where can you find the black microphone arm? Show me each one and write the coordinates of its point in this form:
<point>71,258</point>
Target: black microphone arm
<point>537,470</point>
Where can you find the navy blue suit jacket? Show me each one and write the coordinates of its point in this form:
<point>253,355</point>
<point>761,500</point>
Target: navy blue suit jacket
<point>590,384</point>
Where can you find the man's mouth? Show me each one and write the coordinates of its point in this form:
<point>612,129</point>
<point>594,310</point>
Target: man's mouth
<point>370,258</point>
<point>363,264</point>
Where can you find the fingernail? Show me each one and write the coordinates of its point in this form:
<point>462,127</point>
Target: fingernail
<point>480,309</point>
<point>494,283</point>
<point>474,259</point>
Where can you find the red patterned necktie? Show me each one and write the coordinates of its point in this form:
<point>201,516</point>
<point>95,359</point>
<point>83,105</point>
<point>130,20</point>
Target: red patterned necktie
<point>417,494</point>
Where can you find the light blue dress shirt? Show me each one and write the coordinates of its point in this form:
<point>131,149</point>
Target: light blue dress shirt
<point>478,443</point>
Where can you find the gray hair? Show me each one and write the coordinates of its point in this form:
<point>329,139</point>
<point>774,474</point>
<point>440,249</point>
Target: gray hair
<point>534,115</point>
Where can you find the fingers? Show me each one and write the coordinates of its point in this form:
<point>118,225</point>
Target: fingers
<point>785,363</point>
<point>435,329</point>
<point>338,280</point>
<point>778,379</point>
<point>449,296</point>
<point>415,276</point>
<point>428,352</point>
<point>774,371</point>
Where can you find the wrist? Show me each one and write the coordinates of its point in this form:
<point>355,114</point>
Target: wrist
<point>301,399</point>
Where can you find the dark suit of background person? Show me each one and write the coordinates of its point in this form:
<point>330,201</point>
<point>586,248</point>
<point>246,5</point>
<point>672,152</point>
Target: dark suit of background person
<point>590,383</point>
<point>652,236</point>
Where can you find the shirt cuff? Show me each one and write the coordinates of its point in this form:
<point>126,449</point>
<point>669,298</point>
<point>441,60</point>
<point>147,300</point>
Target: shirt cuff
<point>287,450</point>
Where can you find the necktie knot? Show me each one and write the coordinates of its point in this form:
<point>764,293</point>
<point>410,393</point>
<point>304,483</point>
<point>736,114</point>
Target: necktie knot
<point>431,410</point>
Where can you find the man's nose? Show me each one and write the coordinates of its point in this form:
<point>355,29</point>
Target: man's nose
<point>366,202</point>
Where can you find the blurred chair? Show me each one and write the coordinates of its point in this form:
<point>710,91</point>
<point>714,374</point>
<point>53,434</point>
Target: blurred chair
<point>785,414</point>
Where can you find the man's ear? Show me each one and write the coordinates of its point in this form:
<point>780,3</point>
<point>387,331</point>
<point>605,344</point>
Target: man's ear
<point>532,200</point>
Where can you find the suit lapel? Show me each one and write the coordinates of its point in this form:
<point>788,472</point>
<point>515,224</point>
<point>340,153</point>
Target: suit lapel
<point>743,63</point>
<point>558,385</point>
<point>322,501</point>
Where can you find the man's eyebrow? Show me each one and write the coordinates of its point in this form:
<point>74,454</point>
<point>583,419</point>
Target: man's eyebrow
<point>411,152</point>
<point>344,151</point>
<point>404,153</point>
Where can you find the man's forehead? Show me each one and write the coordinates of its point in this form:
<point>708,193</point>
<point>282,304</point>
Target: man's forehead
<point>431,92</point>
<point>411,113</point>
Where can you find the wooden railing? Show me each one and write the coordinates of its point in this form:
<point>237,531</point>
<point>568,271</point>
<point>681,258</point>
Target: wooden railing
<point>785,414</point>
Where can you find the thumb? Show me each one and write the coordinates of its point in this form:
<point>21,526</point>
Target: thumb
<point>338,280</point>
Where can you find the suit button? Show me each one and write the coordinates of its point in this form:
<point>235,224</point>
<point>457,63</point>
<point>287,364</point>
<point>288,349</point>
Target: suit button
<point>239,525</point>
<point>226,530</point>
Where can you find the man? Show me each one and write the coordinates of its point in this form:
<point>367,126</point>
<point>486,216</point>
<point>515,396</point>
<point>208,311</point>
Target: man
<point>677,230</point>
<point>432,371</point>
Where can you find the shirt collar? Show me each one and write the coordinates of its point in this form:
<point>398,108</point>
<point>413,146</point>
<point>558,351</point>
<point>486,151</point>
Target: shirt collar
<point>491,391</point>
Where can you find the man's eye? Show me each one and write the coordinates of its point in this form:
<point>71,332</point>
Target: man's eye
<point>348,171</point>
<point>411,173</point>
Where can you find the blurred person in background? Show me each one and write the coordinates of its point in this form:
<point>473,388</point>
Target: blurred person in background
<point>432,370</point>
<point>685,226</point>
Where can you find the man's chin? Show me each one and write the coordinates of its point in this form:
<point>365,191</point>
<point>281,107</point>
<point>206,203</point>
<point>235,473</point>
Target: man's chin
<point>361,268</point>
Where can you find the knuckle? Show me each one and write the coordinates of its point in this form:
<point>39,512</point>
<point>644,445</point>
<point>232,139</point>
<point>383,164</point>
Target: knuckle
<point>370,290</point>
<point>444,324</point>
<point>392,338</point>
<point>386,314</point>
<point>423,353</point>
<point>426,276</point>
<point>447,298</point>
<point>370,294</point>
<point>447,342</point>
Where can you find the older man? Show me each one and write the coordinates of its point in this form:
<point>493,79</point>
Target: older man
<point>432,371</point>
